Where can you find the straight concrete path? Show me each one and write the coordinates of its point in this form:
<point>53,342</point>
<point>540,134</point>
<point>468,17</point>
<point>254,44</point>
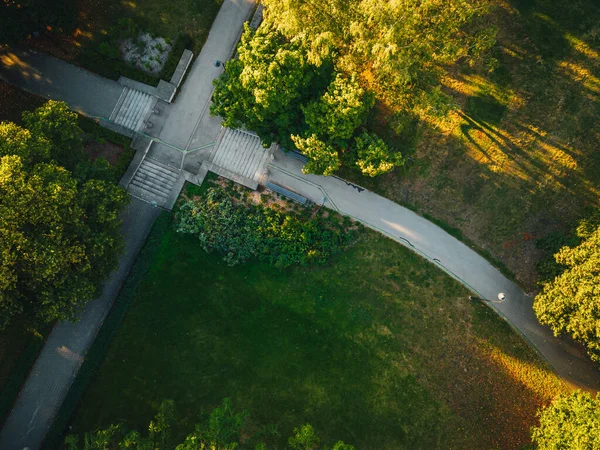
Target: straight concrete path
<point>54,79</point>
<point>404,226</point>
<point>62,355</point>
<point>189,124</point>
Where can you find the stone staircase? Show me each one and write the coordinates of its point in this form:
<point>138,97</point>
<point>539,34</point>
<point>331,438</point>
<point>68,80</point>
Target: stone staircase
<point>132,109</point>
<point>240,152</point>
<point>154,182</point>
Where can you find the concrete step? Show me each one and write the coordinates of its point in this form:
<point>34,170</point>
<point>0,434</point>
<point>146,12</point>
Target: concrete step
<point>159,172</point>
<point>163,168</point>
<point>132,108</point>
<point>149,186</point>
<point>147,174</point>
<point>117,107</point>
<point>146,195</point>
<point>155,182</point>
<point>251,184</point>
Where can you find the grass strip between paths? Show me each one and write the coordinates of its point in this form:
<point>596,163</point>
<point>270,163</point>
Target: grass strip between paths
<point>97,351</point>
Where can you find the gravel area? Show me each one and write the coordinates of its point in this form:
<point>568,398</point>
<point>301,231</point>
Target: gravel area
<point>145,52</point>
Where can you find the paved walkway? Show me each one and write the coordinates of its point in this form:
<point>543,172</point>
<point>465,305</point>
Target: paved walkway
<point>62,355</point>
<point>52,78</point>
<point>420,235</point>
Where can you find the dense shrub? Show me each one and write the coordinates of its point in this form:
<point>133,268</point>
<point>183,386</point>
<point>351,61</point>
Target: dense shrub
<point>243,231</point>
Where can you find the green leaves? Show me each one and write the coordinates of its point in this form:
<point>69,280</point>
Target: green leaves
<point>221,430</point>
<point>340,111</point>
<point>374,157</point>
<point>244,231</point>
<point>323,159</point>
<point>59,236</point>
<point>571,422</point>
<point>400,48</point>
<point>569,303</point>
<point>263,88</point>
<point>304,438</point>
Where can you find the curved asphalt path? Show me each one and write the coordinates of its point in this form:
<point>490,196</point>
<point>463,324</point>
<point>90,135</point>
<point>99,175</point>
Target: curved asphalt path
<point>567,358</point>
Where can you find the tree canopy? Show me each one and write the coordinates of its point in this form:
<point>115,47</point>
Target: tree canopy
<point>59,235</point>
<point>400,49</point>
<point>571,422</point>
<point>280,90</point>
<point>222,429</point>
<point>569,303</point>
<point>264,87</point>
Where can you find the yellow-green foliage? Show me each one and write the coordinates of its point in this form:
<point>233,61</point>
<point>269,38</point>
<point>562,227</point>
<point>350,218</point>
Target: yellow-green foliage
<point>569,303</point>
<point>571,422</point>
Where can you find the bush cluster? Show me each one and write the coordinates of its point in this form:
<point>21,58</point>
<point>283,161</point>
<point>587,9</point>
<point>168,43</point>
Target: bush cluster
<point>243,231</point>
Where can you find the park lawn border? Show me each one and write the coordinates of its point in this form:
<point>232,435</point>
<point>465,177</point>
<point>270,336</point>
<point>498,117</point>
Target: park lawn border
<point>99,348</point>
<point>350,175</point>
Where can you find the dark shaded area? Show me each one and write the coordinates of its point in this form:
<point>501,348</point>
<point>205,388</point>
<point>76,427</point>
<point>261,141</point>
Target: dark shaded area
<point>485,108</point>
<point>21,18</point>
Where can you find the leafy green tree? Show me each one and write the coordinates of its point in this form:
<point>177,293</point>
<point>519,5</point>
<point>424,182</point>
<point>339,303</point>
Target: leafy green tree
<point>339,112</point>
<point>263,88</point>
<point>221,430</point>
<point>241,232</point>
<point>570,422</point>
<point>59,236</point>
<point>55,123</point>
<point>115,436</point>
<point>58,240</point>
<point>569,303</point>
<point>341,446</point>
<point>18,141</point>
<point>373,156</point>
<point>304,438</point>
<point>323,159</point>
<point>401,49</point>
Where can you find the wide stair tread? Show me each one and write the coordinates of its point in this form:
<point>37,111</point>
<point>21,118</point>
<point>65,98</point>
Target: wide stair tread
<point>153,178</point>
<point>164,168</point>
<point>131,108</point>
<point>151,187</point>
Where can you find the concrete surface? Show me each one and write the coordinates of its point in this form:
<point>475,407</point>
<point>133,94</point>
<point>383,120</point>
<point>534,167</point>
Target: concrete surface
<point>185,115</point>
<point>52,78</point>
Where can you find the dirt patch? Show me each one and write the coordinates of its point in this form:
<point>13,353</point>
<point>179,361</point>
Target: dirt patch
<point>13,101</point>
<point>107,150</point>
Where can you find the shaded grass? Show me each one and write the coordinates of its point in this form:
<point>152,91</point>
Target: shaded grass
<point>100,134</point>
<point>20,344</point>
<point>378,348</point>
<point>519,160</point>
<point>13,101</point>
<point>100,25</point>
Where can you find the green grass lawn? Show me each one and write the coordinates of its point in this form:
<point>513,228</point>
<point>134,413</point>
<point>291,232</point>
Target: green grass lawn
<point>378,348</point>
<point>520,159</point>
